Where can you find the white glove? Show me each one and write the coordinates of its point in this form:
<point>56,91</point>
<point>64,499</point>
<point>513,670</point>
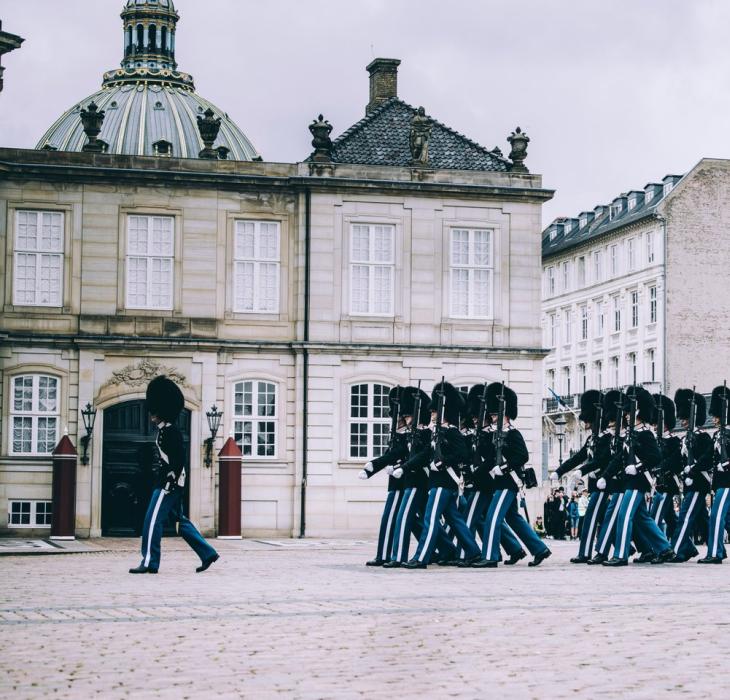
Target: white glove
<point>389,470</point>
<point>601,484</point>
<point>687,470</point>
<point>631,470</point>
<point>368,467</point>
<point>495,471</point>
<point>553,475</point>
<point>397,472</point>
<point>362,474</point>
<point>689,482</point>
<point>170,482</point>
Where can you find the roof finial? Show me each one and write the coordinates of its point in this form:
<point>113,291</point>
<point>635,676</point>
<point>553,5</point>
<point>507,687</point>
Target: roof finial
<point>209,128</point>
<point>518,140</point>
<point>320,129</point>
<point>92,119</point>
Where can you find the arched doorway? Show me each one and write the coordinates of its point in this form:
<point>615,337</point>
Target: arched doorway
<point>129,469</point>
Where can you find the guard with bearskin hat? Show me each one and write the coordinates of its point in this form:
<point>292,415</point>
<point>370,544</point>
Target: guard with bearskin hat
<point>395,454</point>
<point>638,458</point>
<point>414,471</point>
<point>719,404</point>
<point>506,467</point>
<point>592,458</point>
<point>697,449</point>
<point>450,450</point>
<point>479,488</point>
<point>164,403</point>
<point>669,470</point>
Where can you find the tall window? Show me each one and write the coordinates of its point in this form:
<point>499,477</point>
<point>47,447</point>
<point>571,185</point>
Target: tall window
<point>34,414</point>
<point>650,247</point>
<point>582,379</point>
<point>581,271</point>
<point>254,417</point>
<point>631,368</point>
<point>256,267</point>
<point>651,364</point>
<point>471,273</point>
<point>616,301</point>
<point>566,276</point>
<point>631,253</point>
<point>369,420</point>
<point>598,370</point>
<point>553,330</point>
<point>613,253</point>
<point>551,379</point>
<point>652,304</point>
<point>551,281</point>
<point>372,269</point>
<point>38,259</point>
<point>615,377</point>
<point>634,309</point>
<point>568,326</point>
<point>600,319</point>
<point>150,261</point>
<point>566,381</point>
<point>584,322</point>
<point>598,266</point>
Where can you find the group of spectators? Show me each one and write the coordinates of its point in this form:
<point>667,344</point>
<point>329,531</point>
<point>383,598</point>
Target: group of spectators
<point>563,515</point>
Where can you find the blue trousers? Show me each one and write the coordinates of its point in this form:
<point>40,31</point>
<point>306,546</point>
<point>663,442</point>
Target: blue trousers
<point>410,520</point>
<point>633,512</point>
<point>718,521</point>
<point>594,515</point>
<point>662,511</point>
<point>387,524</point>
<point>443,501</point>
<point>163,504</point>
<point>474,510</point>
<point>682,543</point>
<point>503,508</point>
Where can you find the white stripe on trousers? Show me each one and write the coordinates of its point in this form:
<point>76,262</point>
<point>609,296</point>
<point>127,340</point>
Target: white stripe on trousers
<point>627,520</point>
<point>469,518</point>
<point>660,509</point>
<point>431,524</point>
<point>687,514</point>
<point>493,524</point>
<point>391,515</point>
<point>614,515</point>
<point>719,520</point>
<point>592,526</point>
<point>402,533</point>
<point>152,527</point>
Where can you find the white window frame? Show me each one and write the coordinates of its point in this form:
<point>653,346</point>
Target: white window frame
<point>566,276</point>
<point>372,267</point>
<point>631,254</point>
<point>256,418</point>
<point>33,513</point>
<point>581,271</point>
<point>584,322</point>
<point>551,281</point>
<point>566,381</point>
<point>598,265</point>
<point>651,364</point>
<point>374,416</point>
<point>582,377</point>
<point>551,379</point>
<point>598,369</point>
<point>613,260</point>
<point>650,253</point>
<point>616,308</point>
<point>634,309</point>
<point>652,304</point>
<point>616,367</point>
<point>567,326</point>
<point>258,260</point>
<point>471,267</point>
<point>630,367</point>
<point>648,195</point>
<point>43,257</point>
<point>553,330</point>
<point>151,257</point>
<point>600,318</point>
<point>35,415</point>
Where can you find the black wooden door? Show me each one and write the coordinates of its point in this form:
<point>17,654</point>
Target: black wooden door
<point>130,468</point>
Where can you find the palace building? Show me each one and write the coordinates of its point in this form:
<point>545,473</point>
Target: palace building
<point>146,235</point>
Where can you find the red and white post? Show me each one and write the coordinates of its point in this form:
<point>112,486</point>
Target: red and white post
<point>63,518</point>
<point>230,460</point>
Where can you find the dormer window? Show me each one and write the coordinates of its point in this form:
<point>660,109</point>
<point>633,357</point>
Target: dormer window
<point>583,221</point>
<point>668,187</point>
<point>649,195</point>
<point>553,235</point>
<point>632,203</point>
<point>567,227</point>
<point>615,210</point>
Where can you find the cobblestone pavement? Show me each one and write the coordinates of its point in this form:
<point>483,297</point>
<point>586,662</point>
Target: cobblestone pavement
<point>308,620</point>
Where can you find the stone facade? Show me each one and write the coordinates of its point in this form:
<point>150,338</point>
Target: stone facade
<point>103,352</point>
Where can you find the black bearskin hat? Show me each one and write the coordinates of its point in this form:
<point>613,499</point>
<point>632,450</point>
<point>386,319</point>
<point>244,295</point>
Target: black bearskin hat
<point>408,404</point>
<point>646,411</point>
<point>454,403</point>
<point>716,402</point>
<point>395,395</point>
<point>683,401</point>
<point>473,400</point>
<point>588,401</point>
<point>670,416</point>
<point>510,400</point>
<point>611,399</point>
<point>164,399</point>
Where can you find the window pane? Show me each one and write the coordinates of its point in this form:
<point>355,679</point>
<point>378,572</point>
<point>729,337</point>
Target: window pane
<point>360,243</point>
<point>245,240</point>
<point>47,394</point>
<point>359,401</point>
<point>268,287</point>
<point>242,434</point>
<point>161,283</point>
<point>137,281</point>
<point>43,513</point>
<point>269,241</point>
<point>137,238</point>
<point>358,440</point>
<point>266,399</point>
<point>381,407</point>
<point>381,432</point>
<point>482,292</point>
<point>27,231</point>
<point>244,286</point>
<point>46,439</point>
<point>25,278</point>
<point>360,289</point>
<point>459,247</point>
<point>22,434</point>
<point>266,439</point>
<point>383,244</point>
<point>482,253</point>
<point>49,289</point>
<point>52,231</point>
<point>23,394</point>
<point>460,292</point>
<point>382,289</point>
<point>162,239</point>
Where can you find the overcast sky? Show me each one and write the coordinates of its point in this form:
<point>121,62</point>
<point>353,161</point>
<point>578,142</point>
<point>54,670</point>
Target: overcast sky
<point>613,94</point>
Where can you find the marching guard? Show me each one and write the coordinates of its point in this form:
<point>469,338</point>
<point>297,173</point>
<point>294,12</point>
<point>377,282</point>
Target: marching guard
<point>164,403</point>
<point>669,470</point>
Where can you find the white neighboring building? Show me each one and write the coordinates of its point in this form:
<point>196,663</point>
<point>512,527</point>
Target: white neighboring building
<point>603,309</point>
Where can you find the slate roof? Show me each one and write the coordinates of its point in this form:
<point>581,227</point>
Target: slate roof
<point>598,227</point>
<point>382,137</point>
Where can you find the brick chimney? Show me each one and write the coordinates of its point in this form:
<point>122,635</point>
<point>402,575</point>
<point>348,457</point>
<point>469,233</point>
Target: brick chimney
<point>383,81</point>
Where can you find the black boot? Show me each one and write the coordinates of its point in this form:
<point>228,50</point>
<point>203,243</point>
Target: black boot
<point>516,557</point>
<point>206,564</point>
<point>580,560</point>
<point>597,559</point>
<point>667,557</point>
<point>645,558</point>
<point>484,564</point>
<point>414,564</point>
<point>710,560</point>
<point>143,570</point>
<point>375,562</point>
<point>392,564</point>
<point>539,558</point>
<point>616,562</point>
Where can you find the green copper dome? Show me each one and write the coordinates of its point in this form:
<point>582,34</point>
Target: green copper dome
<point>150,107</point>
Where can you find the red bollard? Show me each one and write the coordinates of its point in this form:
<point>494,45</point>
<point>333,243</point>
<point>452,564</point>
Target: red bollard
<point>230,459</point>
<point>63,517</point>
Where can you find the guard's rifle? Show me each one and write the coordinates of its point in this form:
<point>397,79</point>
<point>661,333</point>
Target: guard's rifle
<point>415,419</point>
<point>659,406</point>
<point>723,425</point>
<point>616,445</point>
<point>598,422</point>
<point>631,427</point>
<point>476,457</point>
<point>440,409</point>
<point>689,438</point>
<point>499,432</point>
<point>395,418</point>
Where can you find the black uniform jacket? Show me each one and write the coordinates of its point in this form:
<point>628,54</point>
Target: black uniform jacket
<point>646,459</point>
<point>669,470</point>
<point>721,479</point>
<point>416,467</point>
<point>397,452</point>
<point>450,450</point>
<point>703,458</point>
<point>171,447</point>
<point>514,457</point>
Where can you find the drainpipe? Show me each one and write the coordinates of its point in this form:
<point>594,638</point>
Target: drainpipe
<point>305,377</point>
